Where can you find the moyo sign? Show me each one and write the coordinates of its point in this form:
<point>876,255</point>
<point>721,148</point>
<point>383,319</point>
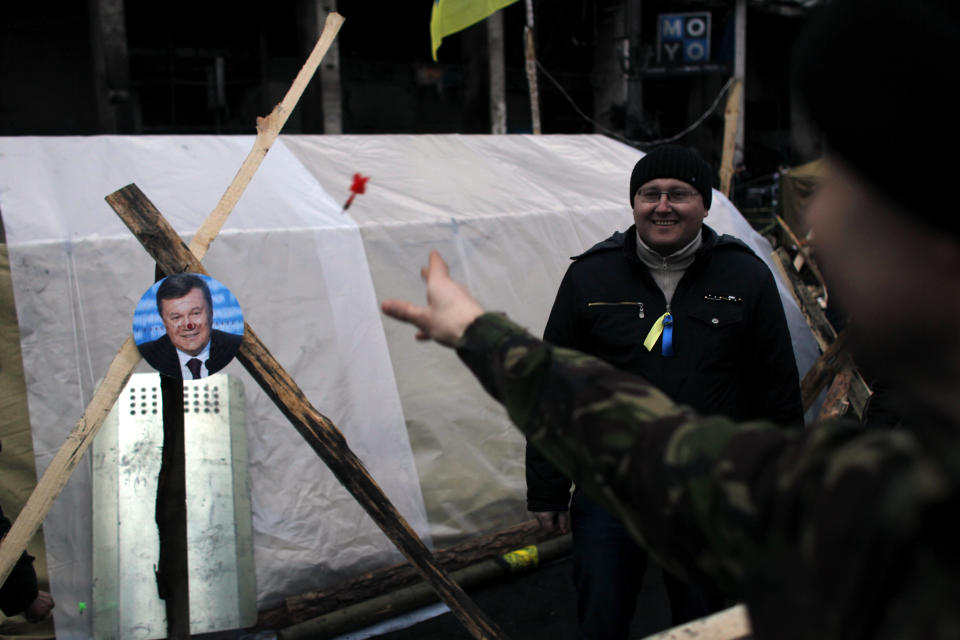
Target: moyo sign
<point>683,38</point>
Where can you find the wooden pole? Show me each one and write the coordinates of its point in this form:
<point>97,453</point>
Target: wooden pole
<point>731,119</point>
<point>166,247</point>
<point>531,67</point>
<point>498,90</point>
<point>330,87</point>
<point>65,461</point>
<point>268,129</point>
<point>740,65</point>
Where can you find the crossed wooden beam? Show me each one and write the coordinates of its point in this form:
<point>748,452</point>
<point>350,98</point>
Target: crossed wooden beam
<point>173,256</point>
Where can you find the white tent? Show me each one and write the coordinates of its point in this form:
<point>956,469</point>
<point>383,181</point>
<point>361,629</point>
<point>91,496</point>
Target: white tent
<point>506,212</point>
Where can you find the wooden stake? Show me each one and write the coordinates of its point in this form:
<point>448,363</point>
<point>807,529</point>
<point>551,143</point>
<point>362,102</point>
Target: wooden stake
<point>166,247</point>
<point>268,129</point>
<point>67,458</point>
<point>731,117</point>
<point>61,467</point>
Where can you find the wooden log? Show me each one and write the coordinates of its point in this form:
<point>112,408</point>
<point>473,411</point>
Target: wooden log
<point>169,251</point>
<point>418,595</point>
<point>375,583</point>
<point>121,368</point>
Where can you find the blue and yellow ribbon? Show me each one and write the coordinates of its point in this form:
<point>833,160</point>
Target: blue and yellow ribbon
<point>662,326</point>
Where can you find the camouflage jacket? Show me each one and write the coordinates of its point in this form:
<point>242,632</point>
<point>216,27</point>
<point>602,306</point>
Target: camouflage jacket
<point>830,532</point>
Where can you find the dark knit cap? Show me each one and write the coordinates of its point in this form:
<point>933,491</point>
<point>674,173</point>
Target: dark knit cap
<point>874,77</point>
<point>673,161</point>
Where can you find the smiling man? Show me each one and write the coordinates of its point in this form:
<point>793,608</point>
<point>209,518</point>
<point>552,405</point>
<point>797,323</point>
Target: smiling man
<point>191,348</point>
<point>694,312</point>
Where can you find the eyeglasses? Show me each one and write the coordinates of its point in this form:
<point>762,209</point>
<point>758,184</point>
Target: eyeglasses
<point>674,196</point>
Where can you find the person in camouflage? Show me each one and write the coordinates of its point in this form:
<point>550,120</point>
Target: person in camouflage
<point>837,531</point>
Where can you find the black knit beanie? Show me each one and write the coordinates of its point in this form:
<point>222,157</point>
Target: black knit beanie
<point>874,77</point>
<point>673,161</point>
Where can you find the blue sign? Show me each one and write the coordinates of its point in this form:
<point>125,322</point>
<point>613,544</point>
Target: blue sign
<point>683,38</point>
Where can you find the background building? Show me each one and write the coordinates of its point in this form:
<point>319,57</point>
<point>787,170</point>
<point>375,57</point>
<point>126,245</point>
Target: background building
<point>109,66</point>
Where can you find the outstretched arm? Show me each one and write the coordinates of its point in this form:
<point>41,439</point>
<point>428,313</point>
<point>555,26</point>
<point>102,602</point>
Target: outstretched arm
<point>616,435</point>
<point>450,307</point>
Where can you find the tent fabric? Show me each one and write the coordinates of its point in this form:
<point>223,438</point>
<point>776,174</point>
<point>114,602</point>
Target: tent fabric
<point>17,473</point>
<point>506,211</point>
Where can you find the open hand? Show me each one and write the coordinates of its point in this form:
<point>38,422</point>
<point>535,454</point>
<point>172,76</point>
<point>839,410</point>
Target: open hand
<point>450,307</point>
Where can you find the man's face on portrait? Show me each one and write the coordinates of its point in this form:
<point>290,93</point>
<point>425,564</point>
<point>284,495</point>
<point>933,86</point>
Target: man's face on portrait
<point>187,321</point>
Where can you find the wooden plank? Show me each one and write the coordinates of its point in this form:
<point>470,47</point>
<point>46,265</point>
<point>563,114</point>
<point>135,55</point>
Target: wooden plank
<point>169,251</point>
<point>803,254</point>
<point>823,370</point>
<point>837,403</point>
<point>826,336</point>
<point>67,458</point>
<point>823,331</point>
<point>268,129</point>
<point>731,117</point>
<point>61,467</point>
<point>729,624</point>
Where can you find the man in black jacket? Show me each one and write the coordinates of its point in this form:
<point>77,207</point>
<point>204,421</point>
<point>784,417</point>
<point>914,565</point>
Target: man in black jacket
<point>696,314</point>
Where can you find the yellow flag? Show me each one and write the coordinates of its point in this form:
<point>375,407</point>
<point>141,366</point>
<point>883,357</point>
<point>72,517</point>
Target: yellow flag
<point>450,16</point>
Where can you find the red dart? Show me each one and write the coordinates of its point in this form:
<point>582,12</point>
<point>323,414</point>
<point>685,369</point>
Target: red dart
<point>359,186</point>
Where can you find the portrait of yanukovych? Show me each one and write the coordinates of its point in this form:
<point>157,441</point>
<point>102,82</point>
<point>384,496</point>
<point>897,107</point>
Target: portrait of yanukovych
<point>188,326</point>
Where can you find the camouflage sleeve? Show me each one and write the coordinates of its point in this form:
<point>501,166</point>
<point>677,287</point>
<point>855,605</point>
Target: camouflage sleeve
<point>712,500</point>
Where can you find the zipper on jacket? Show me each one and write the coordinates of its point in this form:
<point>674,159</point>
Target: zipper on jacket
<point>639,305</point>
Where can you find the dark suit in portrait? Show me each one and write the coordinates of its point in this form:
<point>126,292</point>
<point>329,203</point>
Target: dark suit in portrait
<point>162,355</point>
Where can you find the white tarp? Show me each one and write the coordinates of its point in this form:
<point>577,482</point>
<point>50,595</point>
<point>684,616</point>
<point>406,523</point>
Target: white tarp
<point>506,211</point>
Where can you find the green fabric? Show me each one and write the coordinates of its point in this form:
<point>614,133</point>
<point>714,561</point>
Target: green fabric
<point>450,16</point>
